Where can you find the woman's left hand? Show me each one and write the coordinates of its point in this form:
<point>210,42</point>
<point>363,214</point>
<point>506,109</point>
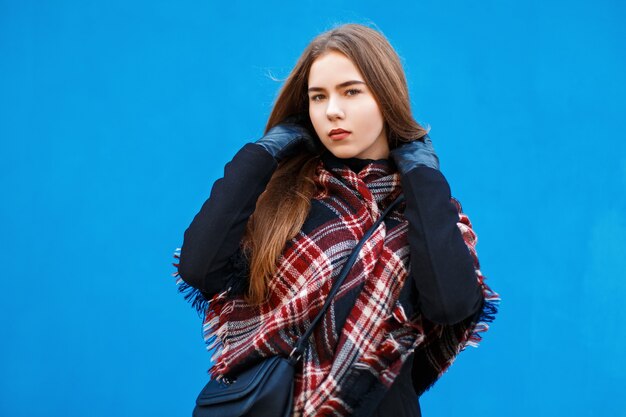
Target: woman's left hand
<point>419,152</point>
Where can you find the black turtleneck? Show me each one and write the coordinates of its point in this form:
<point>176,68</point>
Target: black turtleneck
<point>355,164</point>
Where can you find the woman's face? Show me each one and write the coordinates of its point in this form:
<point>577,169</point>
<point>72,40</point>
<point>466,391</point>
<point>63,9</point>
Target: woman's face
<point>340,99</point>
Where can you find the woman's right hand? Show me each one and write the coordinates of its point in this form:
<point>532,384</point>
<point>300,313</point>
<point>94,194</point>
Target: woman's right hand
<point>284,139</point>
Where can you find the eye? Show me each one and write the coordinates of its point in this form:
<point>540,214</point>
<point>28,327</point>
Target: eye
<point>352,92</point>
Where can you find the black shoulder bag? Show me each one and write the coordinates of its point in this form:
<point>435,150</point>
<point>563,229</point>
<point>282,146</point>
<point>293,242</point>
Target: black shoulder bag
<point>266,389</point>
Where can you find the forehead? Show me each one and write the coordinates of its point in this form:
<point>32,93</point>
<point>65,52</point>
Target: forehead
<point>332,68</point>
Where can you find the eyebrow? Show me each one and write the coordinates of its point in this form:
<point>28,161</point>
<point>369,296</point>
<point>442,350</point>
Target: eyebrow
<point>343,84</point>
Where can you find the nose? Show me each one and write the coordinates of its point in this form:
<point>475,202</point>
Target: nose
<point>334,111</point>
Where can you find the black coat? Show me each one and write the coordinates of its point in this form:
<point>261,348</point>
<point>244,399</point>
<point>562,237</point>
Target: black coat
<point>446,288</point>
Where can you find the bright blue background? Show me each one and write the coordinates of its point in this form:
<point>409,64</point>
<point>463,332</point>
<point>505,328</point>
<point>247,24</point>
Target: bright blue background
<point>116,117</point>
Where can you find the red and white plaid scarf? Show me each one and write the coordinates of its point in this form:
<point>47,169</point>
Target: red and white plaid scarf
<point>370,328</point>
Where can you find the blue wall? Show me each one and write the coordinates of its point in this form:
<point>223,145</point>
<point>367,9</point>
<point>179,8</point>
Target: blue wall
<point>116,117</point>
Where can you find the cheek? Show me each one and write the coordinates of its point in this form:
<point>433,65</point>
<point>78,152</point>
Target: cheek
<point>371,115</point>
<point>316,119</point>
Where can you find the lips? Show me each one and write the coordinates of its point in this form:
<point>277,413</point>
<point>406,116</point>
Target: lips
<point>338,134</point>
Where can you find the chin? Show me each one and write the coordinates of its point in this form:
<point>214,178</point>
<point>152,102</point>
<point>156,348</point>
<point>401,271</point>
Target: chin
<point>343,153</point>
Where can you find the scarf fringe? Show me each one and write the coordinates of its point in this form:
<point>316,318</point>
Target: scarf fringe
<point>487,315</point>
<point>192,295</point>
<point>215,334</point>
<point>473,334</point>
<point>212,333</point>
<point>491,298</point>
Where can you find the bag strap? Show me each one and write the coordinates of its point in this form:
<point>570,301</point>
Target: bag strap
<point>303,341</point>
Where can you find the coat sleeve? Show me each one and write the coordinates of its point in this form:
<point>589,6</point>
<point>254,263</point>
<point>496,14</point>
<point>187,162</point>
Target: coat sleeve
<point>442,265</point>
<point>216,231</point>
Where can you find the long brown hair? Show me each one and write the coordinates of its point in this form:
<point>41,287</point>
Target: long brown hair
<point>283,207</point>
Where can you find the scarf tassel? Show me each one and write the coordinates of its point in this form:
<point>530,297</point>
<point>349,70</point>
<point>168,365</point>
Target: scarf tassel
<point>487,315</point>
<point>192,295</point>
<point>213,334</point>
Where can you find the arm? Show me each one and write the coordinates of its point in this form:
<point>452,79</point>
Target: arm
<point>441,262</point>
<point>442,265</point>
<point>216,231</point>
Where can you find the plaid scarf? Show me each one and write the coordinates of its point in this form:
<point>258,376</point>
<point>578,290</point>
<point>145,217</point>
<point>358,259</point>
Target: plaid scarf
<point>371,327</point>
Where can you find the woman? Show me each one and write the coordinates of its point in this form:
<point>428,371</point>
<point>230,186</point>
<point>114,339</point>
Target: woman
<point>340,145</point>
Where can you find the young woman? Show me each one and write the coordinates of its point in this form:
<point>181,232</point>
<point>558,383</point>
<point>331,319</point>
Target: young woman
<point>259,258</point>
